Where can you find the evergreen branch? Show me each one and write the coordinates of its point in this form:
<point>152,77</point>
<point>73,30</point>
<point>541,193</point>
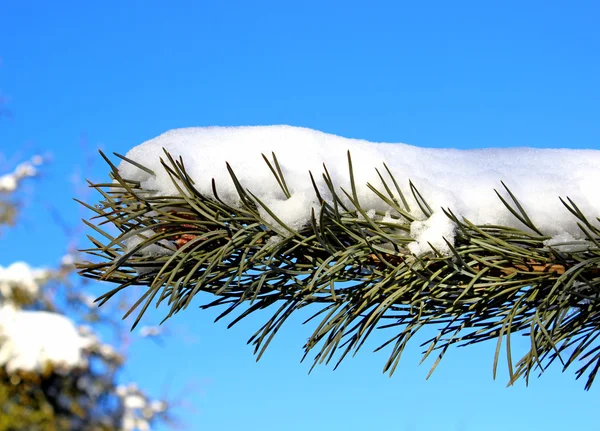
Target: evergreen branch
<point>355,269</point>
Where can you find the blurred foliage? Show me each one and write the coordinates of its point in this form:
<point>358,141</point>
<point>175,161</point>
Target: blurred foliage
<point>50,401</point>
<point>87,397</point>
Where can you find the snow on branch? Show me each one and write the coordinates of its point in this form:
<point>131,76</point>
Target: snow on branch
<point>461,180</point>
<point>33,340</point>
<point>9,182</point>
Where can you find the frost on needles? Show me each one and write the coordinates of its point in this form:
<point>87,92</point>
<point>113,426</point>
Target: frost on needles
<point>482,243</point>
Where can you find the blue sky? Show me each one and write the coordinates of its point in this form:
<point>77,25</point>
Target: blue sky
<point>79,76</point>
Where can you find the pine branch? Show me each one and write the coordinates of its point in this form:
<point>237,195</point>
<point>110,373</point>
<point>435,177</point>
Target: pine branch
<point>355,269</point>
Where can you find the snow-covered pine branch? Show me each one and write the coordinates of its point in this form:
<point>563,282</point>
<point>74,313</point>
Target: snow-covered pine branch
<point>370,231</point>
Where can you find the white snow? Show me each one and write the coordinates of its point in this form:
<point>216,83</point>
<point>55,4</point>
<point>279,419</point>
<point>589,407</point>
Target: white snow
<point>68,260</point>
<point>150,331</point>
<point>31,340</point>
<point>150,250</point>
<point>138,410</point>
<point>20,277</point>
<point>10,182</point>
<point>431,231</point>
<point>462,180</point>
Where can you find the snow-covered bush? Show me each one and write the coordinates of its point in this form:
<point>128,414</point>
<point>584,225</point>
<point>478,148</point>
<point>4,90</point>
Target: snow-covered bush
<point>57,372</point>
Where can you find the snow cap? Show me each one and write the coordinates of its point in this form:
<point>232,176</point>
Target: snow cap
<point>461,180</point>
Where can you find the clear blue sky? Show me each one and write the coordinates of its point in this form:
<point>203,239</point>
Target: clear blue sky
<point>111,74</point>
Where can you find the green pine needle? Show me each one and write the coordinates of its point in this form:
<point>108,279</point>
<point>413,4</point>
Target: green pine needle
<point>355,272</point>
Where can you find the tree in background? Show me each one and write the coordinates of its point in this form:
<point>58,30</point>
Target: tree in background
<point>55,371</point>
